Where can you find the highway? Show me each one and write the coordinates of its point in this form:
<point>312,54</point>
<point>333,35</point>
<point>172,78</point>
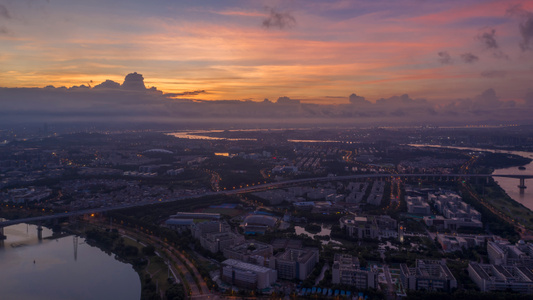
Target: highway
<point>249,189</point>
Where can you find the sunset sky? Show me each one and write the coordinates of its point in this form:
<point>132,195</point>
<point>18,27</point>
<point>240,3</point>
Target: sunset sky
<point>313,51</point>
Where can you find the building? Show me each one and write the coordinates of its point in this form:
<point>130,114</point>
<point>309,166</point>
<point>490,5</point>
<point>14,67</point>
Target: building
<point>442,223</point>
<point>496,253</point>
<point>456,213</point>
<point>489,277</point>
<point>258,223</point>
<point>417,205</point>
<point>296,263</point>
<point>346,270</point>
<point>200,229</point>
<point>429,275</point>
<point>247,275</point>
<point>376,194</point>
<point>504,253</point>
<point>216,236</point>
<point>371,227</point>
<point>219,241</point>
<point>191,215</point>
<point>284,169</point>
<point>304,205</point>
<point>175,172</point>
<point>451,243</point>
<point>283,244</point>
<point>253,252</point>
<point>179,225</point>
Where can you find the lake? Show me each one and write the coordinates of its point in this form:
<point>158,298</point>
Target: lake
<point>50,269</point>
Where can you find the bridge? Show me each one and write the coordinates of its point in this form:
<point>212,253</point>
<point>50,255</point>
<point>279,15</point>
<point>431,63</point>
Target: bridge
<point>257,188</point>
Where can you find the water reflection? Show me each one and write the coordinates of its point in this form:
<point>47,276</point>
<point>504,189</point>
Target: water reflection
<point>510,185</point>
<point>324,231</point>
<point>48,269</point>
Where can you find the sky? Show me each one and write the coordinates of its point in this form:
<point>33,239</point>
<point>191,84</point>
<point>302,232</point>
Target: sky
<point>449,55</point>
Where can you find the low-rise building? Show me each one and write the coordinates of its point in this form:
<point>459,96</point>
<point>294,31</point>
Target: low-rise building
<point>179,225</point>
<point>258,223</point>
<point>417,205</point>
<point>253,252</point>
<point>429,275</point>
<point>247,275</point>
<point>505,253</point>
<point>489,277</point>
<point>296,263</point>
<point>216,236</point>
<point>452,243</point>
<point>203,228</point>
<point>346,270</point>
<point>369,226</point>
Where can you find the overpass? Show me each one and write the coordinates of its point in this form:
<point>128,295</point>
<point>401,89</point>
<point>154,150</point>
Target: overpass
<point>257,188</point>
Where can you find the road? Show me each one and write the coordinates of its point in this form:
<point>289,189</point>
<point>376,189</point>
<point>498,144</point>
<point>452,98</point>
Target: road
<point>249,189</point>
<point>178,261</point>
<point>525,234</point>
<point>391,291</point>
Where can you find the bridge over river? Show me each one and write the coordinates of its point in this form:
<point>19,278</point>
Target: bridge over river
<point>262,187</point>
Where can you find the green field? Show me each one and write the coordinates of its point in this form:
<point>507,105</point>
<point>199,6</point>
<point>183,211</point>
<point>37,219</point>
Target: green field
<point>500,200</point>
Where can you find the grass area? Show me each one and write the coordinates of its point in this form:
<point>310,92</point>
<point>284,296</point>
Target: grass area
<point>496,197</point>
<point>159,272</point>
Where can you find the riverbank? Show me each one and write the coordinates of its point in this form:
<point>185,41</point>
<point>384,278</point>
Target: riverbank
<point>157,282</point>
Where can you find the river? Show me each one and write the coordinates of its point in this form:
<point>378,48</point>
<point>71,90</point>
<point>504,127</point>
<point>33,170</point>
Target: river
<point>49,269</point>
<point>199,135</point>
<point>509,185</point>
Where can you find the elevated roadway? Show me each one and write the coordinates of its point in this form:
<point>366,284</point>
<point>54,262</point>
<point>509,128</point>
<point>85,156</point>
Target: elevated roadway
<point>257,188</point>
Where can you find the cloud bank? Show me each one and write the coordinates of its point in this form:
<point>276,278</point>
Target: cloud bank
<point>131,101</point>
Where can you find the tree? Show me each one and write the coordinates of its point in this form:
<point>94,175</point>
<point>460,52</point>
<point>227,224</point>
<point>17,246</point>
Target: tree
<point>175,292</point>
<point>149,250</point>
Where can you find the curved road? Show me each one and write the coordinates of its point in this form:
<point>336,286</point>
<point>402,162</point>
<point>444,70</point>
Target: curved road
<point>177,259</point>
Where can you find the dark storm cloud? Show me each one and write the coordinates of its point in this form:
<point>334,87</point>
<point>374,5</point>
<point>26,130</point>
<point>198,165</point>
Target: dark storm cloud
<point>287,100</point>
<point>188,93</point>
<point>445,58</point>
<point>278,19</point>
<point>3,30</point>
<point>108,84</point>
<point>134,81</point>
<point>469,58</point>
<point>484,104</point>
<point>525,26</point>
<point>489,39</point>
<point>402,101</point>
<point>354,99</point>
<point>4,13</point>
<point>493,74</point>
